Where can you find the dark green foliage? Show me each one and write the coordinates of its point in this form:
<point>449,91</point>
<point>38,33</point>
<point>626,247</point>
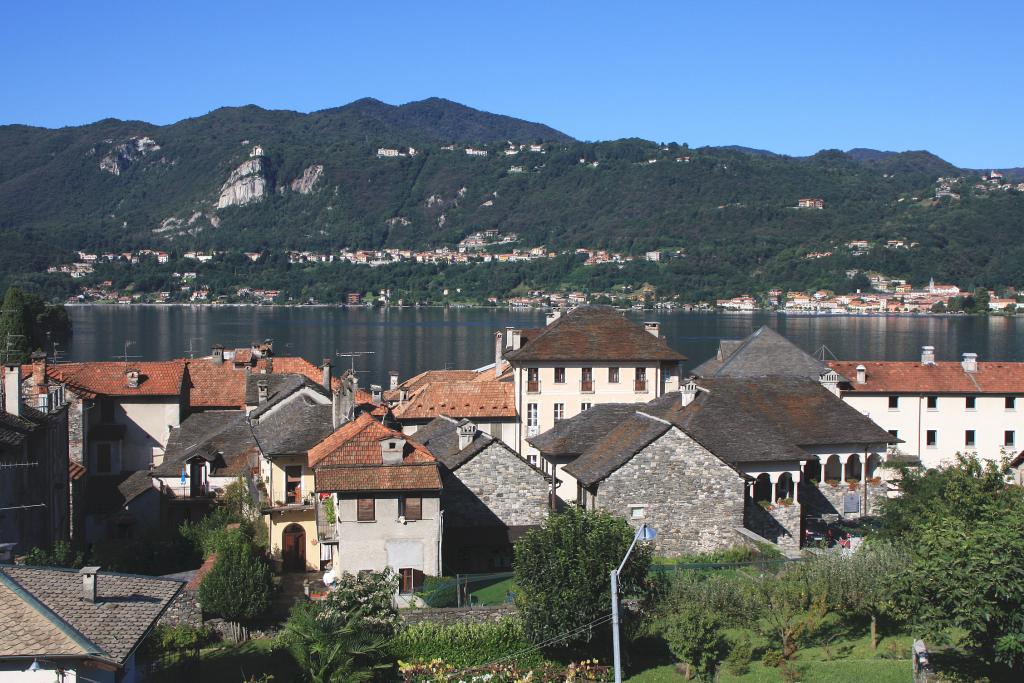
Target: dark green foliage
<point>695,637</point>
<point>741,651</point>
<point>60,555</point>
<point>439,591</point>
<point>331,652</point>
<point>464,645</point>
<point>730,209</point>
<point>562,573</point>
<point>15,328</point>
<point>239,586</point>
<point>152,551</point>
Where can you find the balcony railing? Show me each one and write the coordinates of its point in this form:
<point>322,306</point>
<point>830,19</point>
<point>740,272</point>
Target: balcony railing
<point>533,386</point>
<point>188,491</point>
<point>586,386</point>
<point>640,386</point>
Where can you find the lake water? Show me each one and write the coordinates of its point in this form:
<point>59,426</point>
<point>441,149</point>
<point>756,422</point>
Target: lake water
<point>411,340</point>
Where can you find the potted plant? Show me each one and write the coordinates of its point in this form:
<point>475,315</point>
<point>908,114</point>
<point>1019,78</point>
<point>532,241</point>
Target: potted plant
<point>785,501</point>
<point>832,482</point>
<point>853,484</point>
<point>765,504</point>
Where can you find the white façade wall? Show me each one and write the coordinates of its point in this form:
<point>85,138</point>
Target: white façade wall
<point>386,542</point>
<point>950,419</point>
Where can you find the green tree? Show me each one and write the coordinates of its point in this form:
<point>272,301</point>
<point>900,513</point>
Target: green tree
<point>60,555</point>
<point>563,568</point>
<point>15,328</point>
<point>239,586</point>
<point>695,637</point>
<point>792,608</point>
<point>328,651</point>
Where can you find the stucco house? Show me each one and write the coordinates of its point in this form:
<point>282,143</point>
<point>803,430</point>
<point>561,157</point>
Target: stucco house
<point>485,396</point>
<point>587,357</point>
<point>385,489</point>
<point>63,624</point>
<point>490,497</point>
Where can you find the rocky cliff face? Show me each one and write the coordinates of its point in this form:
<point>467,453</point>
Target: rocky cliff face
<point>121,156</point>
<point>304,185</point>
<point>246,184</point>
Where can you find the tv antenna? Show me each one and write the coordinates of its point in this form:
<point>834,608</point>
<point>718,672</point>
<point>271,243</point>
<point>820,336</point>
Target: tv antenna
<point>124,357</point>
<point>352,355</point>
<point>191,351</point>
<point>822,350</point>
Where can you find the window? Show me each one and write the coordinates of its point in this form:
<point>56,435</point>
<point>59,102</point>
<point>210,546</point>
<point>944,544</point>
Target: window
<point>411,509</point>
<point>412,580</point>
<point>613,375</point>
<point>894,433</point>
<point>640,381</point>
<point>559,412</point>
<point>106,409</point>
<point>532,380</point>
<point>970,402</point>
<point>103,458</point>
<point>931,437</point>
<point>587,380</point>
<point>1009,437</point>
<point>894,402</point>
<point>293,484</point>
<point>584,407</point>
<point>933,403</point>
<point>559,375</point>
<point>1011,402</point>
<point>366,510</point>
<point>969,437</point>
<point>531,414</point>
<point>637,511</point>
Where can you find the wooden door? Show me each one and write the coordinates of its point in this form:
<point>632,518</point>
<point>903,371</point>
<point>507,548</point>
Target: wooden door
<point>293,548</point>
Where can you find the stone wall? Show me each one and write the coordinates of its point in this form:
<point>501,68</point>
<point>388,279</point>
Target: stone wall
<point>495,488</point>
<point>693,499</point>
<point>457,615</point>
<point>828,499</point>
<point>780,525</point>
<point>184,609</point>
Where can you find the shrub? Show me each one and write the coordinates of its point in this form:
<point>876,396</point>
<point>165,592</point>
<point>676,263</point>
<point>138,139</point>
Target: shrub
<point>439,671</point>
<point>464,645</point>
<point>737,662</point>
<point>239,586</point>
<point>182,637</point>
<point>333,650</point>
<point>772,658</point>
<point>368,594</point>
<point>694,636</point>
<point>439,591</point>
<point>60,555</point>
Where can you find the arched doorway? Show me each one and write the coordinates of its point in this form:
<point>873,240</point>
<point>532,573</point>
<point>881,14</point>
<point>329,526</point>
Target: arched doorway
<point>833,468</point>
<point>293,548</point>
<point>812,471</point>
<point>873,462</point>
<point>784,487</point>
<point>853,472</point>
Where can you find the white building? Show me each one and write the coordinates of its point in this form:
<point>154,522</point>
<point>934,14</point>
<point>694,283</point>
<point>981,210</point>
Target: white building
<point>941,408</point>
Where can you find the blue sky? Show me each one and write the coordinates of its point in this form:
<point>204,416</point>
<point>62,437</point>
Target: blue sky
<point>792,77</point>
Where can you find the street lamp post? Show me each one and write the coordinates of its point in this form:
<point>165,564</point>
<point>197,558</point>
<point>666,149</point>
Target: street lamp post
<point>645,533</point>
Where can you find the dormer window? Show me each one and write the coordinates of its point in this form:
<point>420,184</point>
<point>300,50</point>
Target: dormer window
<point>391,450</point>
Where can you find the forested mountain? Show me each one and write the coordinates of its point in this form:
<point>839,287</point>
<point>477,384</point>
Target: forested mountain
<point>317,183</point>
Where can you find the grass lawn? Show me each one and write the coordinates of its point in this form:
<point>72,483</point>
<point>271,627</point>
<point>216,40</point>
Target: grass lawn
<point>493,593</point>
<point>229,663</point>
<point>844,660</point>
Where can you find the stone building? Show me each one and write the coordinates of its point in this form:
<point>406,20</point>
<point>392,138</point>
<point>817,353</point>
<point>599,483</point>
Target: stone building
<point>490,495</point>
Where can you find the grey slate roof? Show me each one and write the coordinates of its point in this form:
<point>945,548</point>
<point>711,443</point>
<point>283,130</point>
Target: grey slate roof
<point>574,436</point>
<point>126,609</point>
<point>135,485</point>
<point>14,429</point>
<point>441,438</point>
<point>739,420</point>
<point>765,352</point>
<point>217,436</point>
<point>279,387</point>
<point>296,426</point>
<point>594,333</point>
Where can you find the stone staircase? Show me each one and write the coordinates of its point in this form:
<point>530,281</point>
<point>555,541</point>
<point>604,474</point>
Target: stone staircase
<point>291,590</point>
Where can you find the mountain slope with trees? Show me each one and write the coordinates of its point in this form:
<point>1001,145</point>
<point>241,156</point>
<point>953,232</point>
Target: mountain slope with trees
<point>119,185</point>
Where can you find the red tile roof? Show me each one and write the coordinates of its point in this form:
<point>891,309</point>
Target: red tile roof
<point>473,399</point>
<point>350,459</point>
<point>216,385</point>
<point>201,573</point>
<point>156,378</point>
<point>944,377</point>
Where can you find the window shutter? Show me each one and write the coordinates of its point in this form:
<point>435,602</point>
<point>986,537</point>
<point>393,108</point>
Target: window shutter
<point>365,510</point>
<point>414,508</point>
<point>417,580</point>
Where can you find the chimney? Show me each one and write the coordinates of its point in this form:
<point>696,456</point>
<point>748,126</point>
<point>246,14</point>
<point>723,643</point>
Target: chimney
<point>217,354</point>
<point>392,450</point>
<point>262,390</point>
<point>38,369</point>
<point>862,374</point>
<point>552,316</point>
<point>970,362</point>
<point>375,394</point>
<point>688,393</point>
<point>652,328</point>
<point>12,389</point>
<point>508,337</point>
<point>498,349</point>
<point>467,430</point>
<point>327,374</point>
<point>516,339</point>
<point>132,378</point>
<point>393,377</point>
<point>254,351</point>
<point>927,355</point>
<point>88,575</point>
<point>403,395</point>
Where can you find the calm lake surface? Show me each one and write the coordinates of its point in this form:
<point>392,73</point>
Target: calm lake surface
<point>411,340</point>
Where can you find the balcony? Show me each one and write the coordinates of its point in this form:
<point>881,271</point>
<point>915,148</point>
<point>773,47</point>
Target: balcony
<point>326,530</point>
<point>586,386</point>
<point>640,386</point>
<point>533,386</point>
<point>200,490</point>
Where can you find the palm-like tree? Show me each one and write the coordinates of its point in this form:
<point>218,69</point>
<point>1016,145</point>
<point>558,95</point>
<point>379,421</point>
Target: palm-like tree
<point>330,653</point>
